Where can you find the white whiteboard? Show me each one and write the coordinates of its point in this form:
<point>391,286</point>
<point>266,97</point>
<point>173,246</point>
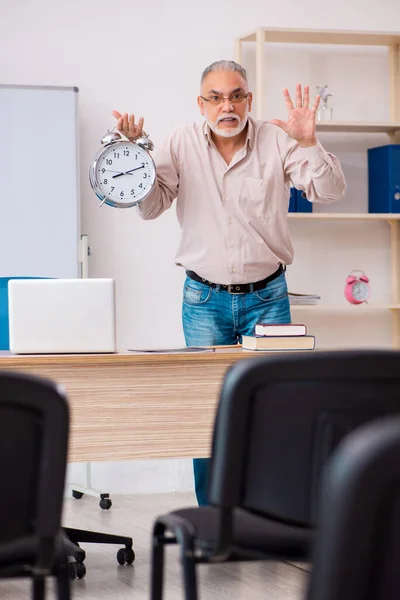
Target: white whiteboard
<point>39,182</point>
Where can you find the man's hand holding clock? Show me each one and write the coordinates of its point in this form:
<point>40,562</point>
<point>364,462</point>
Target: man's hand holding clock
<point>127,126</point>
<point>119,158</point>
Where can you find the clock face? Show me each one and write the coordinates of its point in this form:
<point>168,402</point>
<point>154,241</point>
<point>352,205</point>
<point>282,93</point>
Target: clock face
<point>125,173</point>
<point>360,291</point>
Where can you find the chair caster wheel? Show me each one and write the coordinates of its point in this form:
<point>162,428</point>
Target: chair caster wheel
<point>77,495</point>
<point>76,570</point>
<point>125,556</point>
<point>105,503</point>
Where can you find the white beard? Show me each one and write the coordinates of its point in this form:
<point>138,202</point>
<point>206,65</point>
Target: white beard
<point>227,133</point>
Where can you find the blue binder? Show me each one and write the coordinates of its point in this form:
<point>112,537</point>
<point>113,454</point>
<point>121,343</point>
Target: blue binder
<point>303,205</point>
<point>298,201</point>
<point>293,200</point>
<point>384,179</point>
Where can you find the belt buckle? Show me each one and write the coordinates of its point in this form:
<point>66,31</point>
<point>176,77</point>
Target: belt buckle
<point>232,285</point>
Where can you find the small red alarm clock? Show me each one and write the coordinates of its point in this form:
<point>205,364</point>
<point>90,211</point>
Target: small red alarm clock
<point>357,289</point>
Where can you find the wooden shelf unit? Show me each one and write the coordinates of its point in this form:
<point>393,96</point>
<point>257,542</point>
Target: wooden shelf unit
<point>393,221</point>
<point>345,216</point>
<point>263,35</point>
<point>360,310</point>
<point>392,129</point>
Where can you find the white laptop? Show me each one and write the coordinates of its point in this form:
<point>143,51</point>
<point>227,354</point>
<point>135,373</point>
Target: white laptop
<point>53,316</point>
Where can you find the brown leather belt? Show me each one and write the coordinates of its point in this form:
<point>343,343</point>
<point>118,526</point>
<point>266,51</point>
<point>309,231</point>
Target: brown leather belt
<point>238,288</point>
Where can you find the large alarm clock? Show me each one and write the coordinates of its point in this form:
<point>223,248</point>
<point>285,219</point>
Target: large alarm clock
<point>357,289</point>
<point>122,173</point>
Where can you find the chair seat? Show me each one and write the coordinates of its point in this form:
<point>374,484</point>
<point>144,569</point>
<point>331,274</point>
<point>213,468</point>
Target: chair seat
<point>24,551</point>
<point>253,535</point>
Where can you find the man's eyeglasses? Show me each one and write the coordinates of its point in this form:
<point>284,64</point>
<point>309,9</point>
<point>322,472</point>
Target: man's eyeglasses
<point>235,98</point>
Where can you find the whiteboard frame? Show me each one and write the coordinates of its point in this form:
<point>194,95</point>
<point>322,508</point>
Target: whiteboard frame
<point>82,248</point>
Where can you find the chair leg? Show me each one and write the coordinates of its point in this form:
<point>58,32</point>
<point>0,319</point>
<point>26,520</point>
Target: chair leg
<point>72,549</point>
<point>157,562</point>
<point>82,535</point>
<point>188,565</point>
<point>62,581</point>
<point>38,588</point>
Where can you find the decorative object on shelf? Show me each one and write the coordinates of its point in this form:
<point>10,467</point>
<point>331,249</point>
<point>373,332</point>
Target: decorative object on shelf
<point>324,112</point>
<point>384,179</point>
<point>357,289</point>
<point>122,173</point>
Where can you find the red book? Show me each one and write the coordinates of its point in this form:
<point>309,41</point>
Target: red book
<point>279,329</point>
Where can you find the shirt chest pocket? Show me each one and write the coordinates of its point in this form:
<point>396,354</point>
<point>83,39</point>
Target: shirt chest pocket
<point>254,200</point>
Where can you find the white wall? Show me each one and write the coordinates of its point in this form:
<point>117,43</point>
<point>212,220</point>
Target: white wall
<point>146,58</point>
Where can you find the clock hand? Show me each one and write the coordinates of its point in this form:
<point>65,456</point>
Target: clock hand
<point>135,169</point>
<point>128,172</point>
<point>110,171</point>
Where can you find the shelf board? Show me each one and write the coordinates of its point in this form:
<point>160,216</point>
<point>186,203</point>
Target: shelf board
<point>346,216</point>
<point>354,127</point>
<point>348,309</point>
<point>320,36</point>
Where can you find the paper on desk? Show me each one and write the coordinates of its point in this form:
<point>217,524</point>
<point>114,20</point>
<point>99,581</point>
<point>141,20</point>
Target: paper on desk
<point>184,350</point>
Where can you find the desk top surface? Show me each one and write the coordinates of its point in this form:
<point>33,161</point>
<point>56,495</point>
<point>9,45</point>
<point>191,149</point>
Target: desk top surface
<point>216,353</point>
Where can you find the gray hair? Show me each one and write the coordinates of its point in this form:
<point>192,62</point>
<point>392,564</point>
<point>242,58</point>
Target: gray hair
<point>224,65</point>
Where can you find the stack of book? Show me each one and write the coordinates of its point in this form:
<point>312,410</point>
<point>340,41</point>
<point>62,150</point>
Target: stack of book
<point>303,298</point>
<point>279,337</point>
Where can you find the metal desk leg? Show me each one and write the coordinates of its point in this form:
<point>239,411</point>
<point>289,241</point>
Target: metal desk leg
<point>79,490</point>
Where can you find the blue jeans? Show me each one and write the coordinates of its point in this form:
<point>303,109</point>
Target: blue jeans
<point>213,317</point>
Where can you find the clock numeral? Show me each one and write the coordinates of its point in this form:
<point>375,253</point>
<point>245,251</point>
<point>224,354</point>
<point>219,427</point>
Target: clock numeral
<point>108,161</point>
<point>103,171</point>
<point>116,154</point>
<point>144,175</point>
<point>112,188</point>
<point>105,181</point>
<point>132,192</point>
<point>141,185</point>
<point>143,164</point>
<point>136,155</point>
<point>122,194</point>
<point>127,152</point>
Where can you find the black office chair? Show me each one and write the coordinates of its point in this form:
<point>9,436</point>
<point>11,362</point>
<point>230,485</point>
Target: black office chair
<point>279,417</point>
<point>34,421</point>
<point>357,550</point>
<point>71,537</point>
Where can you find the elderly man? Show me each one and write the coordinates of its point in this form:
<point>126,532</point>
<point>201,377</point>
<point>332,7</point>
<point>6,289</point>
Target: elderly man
<point>230,177</point>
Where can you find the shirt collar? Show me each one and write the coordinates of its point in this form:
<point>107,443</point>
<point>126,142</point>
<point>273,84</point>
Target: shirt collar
<point>249,137</point>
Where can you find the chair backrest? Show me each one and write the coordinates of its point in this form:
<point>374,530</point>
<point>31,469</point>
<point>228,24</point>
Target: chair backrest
<point>34,425</point>
<point>357,550</point>
<point>4,335</point>
<point>4,321</point>
<point>280,417</point>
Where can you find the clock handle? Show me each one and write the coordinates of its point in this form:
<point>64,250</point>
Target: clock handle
<point>358,271</point>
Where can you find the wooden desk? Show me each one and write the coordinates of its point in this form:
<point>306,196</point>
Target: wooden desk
<point>136,406</point>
